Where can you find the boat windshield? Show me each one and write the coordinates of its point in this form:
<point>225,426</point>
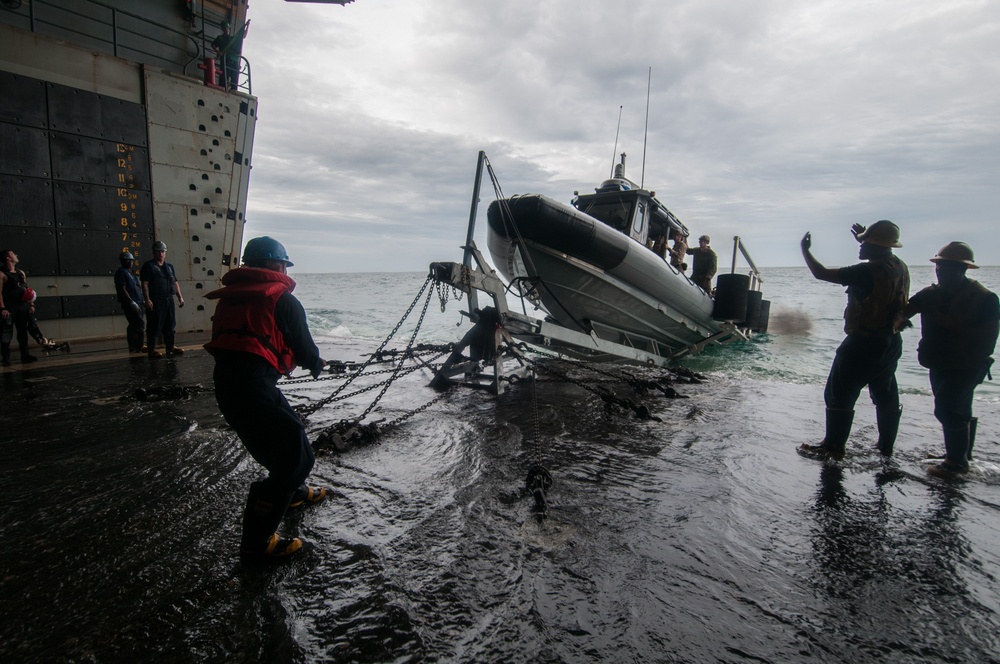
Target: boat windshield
<point>614,213</point>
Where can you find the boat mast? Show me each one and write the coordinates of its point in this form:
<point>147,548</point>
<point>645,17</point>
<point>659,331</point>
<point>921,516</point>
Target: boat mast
<point>645,132</point>
<point>616,140</point>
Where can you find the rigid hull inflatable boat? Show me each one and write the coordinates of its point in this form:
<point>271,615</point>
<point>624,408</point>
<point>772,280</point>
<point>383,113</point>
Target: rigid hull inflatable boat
<point>590,268</point>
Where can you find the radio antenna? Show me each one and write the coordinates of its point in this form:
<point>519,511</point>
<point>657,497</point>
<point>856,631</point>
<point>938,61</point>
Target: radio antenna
<point>616,140</point>
<point>645,132</point>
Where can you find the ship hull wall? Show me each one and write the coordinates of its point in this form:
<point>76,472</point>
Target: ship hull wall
<point>105,155</point>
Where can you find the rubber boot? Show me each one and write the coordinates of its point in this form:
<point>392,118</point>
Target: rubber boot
<point>888,426</point>
<point>308,495</point>
<point>261,517</point>
<point>834,444</point>
<point>956,450</point>
<point>973,423</point>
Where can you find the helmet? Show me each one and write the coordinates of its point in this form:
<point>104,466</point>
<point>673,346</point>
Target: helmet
<point>956,252</point>
<point>28,295</point>
<point>159,245</point>
<point>705,238</point>
<point>224,24</point>
<point>126,256</point>
<point>262,249</point>
<point>883,233</point>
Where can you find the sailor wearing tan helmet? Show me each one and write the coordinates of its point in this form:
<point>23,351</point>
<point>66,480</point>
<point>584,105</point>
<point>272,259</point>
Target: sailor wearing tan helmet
<point>877,289</point>
<point>706,263</point>
<point>959,322</point>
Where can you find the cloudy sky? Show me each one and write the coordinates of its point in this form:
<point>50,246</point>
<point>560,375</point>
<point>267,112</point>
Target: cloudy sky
<point>767,119</point>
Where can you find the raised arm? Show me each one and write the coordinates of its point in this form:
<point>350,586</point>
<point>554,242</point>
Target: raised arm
<point>818,270</point>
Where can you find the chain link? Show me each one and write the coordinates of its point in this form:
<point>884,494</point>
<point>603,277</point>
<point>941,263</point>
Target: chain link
<point>309,409</point>
<point>402,418</point>
<point>607,395</point>
<point>444,291</point>
<point>536,427</point>
<point>388,382</point>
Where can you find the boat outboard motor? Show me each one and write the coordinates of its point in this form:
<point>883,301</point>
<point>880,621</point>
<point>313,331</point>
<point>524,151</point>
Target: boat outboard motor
<point>765,313</point>
<point>752,321</point>
<point>731,292</point>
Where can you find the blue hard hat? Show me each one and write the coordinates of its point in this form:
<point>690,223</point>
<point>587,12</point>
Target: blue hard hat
<point>262,249</point>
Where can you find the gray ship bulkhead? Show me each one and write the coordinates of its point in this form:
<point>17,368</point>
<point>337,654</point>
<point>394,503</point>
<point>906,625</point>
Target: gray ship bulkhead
<point>104,154</point>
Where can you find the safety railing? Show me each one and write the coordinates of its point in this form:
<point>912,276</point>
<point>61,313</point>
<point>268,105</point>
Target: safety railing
<point>740,249</point>
<point>125,34</point>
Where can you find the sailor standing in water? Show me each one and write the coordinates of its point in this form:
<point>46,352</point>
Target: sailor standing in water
<point>259,332</point>
<point>959,323</point>
<point>877,290</point>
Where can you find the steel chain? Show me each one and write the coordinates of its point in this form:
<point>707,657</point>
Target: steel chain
<point>420,409</point>
<point>606,395</point>
<point>312,408</point>
<point>351,376</point>
<point>536,428</point>
<point>388,382</point>
<point>640,385</point>
<point>369,388</point>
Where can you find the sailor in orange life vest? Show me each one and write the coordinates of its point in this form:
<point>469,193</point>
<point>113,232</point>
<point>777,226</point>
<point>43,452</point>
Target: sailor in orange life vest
<point>876,290</point>
<point>959,322</point>
<point>259,332</point>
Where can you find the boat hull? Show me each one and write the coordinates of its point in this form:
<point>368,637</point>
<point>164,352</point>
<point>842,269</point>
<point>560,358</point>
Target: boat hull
<point>592,278</point>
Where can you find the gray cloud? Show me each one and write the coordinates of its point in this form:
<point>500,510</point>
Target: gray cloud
<point>767,119</point>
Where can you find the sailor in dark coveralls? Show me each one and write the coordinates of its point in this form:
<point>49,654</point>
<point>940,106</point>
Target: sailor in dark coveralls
<point>130,297</point>
<point>159,285</point>
<point>876,291</point>
<point>959,322</point>
<point>259,332</point>
<point>13,308</point>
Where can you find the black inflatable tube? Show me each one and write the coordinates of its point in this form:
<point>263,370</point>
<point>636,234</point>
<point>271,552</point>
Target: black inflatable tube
<point>560,227</point>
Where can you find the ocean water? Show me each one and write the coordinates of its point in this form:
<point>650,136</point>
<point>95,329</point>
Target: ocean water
<point>806,323</point>
<point>699,536</point>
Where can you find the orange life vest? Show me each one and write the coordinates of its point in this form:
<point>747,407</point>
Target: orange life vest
<point>244,317</point>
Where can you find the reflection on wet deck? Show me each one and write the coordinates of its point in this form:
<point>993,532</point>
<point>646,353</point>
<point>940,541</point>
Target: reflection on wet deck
<point>701,538</point>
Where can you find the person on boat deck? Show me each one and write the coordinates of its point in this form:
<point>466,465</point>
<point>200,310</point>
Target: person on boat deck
<point>130,297</point>
<point>705,264</point>
<point>959,323</point>
<point>259,332</point>
<point>877,290</point>
<point>660,246</point>
<point>679,251</point>
<point>159,285</point>
<point>13,308</point>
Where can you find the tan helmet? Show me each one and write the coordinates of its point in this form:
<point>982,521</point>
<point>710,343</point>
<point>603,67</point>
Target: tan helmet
<point>883,233</point>
<point>956,252</point>
<point>707,239</point>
